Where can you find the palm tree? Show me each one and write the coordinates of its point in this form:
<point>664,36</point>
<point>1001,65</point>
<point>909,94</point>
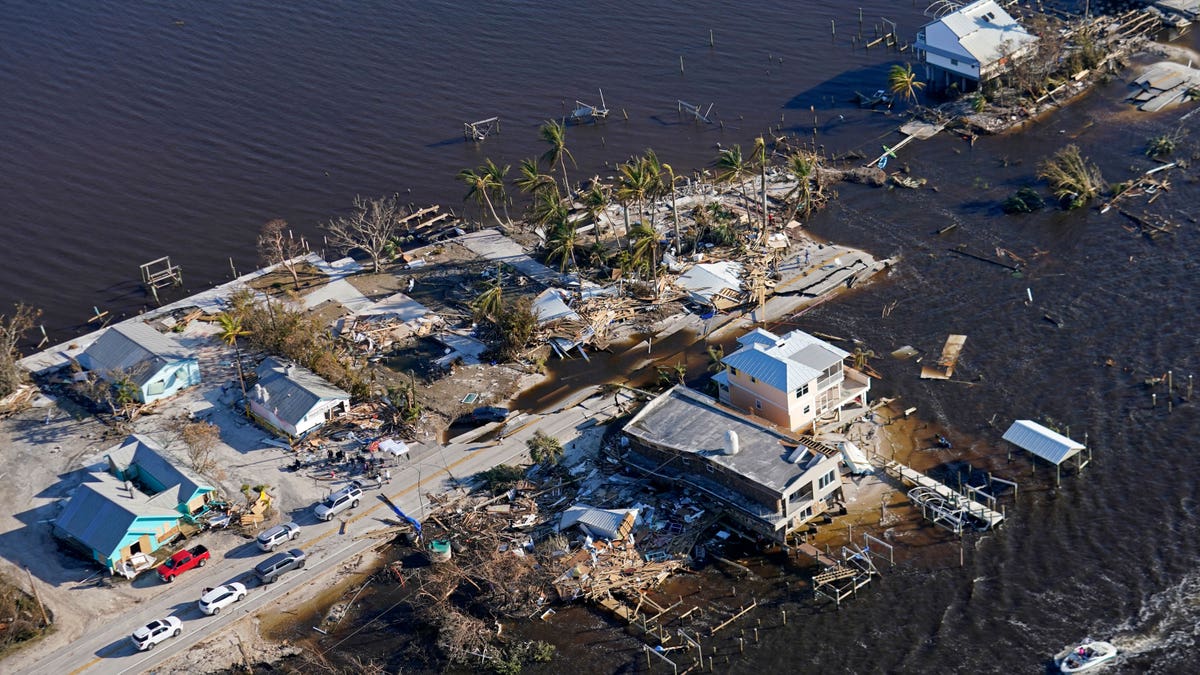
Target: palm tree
<point>656,185</point>
<point>555,135</point>
<point>548,209</point>
<point>633,185</point>
<point>595,201</point>
<point>803,166</point>
<point>674,211</point>
<point>490,302</point>
<point>531,180</point>
<point>903,83</point>
<point>760,158</point>
<point>230,330</point>
<point>481,185</point>
<point>732,168</point>
<point>496,176</point>
<point>561,245</point>
<point>644,251</point>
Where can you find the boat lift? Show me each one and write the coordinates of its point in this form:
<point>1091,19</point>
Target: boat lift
<point>694,111</point>
<point>477,131</point>
<point>584,112</point>
<point>842,579</point>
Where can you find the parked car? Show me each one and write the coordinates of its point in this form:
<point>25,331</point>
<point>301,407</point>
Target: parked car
<point>183,561</point>
<point>155,632</point>
<point>275,536</point>
<point>346,498</point>
<point>268,571</point>
<point>215,599</point>
<point>489,413</point>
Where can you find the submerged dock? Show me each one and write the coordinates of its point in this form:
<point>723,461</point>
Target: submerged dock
<point>942,504</point>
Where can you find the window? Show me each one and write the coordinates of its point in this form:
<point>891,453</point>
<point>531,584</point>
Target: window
<point>724,387</point>
<point>155,388</point>
<point>954,62</point>
<point>753,380</point>
<point>757,404</point>
<point>825,481</point>
<point>733,372</point>
<point>806,513</point>
<point>807,409</point>
<point>709,466</point>
<point>802,390</point>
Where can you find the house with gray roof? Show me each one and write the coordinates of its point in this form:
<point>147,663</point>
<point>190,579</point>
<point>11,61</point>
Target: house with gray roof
<point>973,43</point>
<point>140,460</point>
<point>156,364</point>
<point>134,508</point>
<point>769,481</point>
<point>795,381</point>
<point>293,400</point>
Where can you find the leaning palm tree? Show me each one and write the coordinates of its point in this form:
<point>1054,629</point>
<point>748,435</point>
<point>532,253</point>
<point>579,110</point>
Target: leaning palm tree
<point>480,186</point>
<point>496,176</point>
<point>548,210</point>
<point>490,303</point>
<point>555,135</point>
<point>633,186</point>
<point>903,83</point>
<point>230,330</point>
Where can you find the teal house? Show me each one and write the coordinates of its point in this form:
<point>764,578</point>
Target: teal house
<point>134,507</point>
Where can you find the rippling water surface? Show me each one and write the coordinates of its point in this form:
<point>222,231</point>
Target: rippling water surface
<point>131,131</point>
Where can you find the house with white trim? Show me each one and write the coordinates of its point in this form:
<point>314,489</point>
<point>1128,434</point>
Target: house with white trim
<point>972,44</point>
<point>792,381</point>
<point>294,400</point>
<point>157,365</point>
<point>767,481</point>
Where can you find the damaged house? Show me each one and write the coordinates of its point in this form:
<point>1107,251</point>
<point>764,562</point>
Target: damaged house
<point>771,483</point>
<point>135,507</point>
<point>294,400</point>
<point>795,381</point>
<point>974,43</point>
<point>157,365</point>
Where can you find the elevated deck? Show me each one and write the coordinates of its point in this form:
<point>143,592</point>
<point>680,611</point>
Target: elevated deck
<point>952,498</point>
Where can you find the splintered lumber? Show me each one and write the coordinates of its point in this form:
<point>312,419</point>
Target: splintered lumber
<point>836,574</point>
<point>735,617</point>
<point>949,359</point>
<point>418,214</point>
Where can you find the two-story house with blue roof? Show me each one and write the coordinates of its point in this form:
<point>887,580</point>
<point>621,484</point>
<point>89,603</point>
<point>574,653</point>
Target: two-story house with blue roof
<point>792,381</point>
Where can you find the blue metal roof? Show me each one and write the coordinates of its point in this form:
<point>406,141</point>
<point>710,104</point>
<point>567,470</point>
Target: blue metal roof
<point>785,363</point>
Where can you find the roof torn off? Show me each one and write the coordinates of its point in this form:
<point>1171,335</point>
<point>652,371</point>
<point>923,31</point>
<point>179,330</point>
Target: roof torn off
<point>949,359</point>
<point>717,284</point>
<point>459,347</point>
<point>1164,84</point>
<point>551,305</point>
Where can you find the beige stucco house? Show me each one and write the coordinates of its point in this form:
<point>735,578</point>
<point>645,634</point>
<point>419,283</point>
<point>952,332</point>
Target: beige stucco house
<point>792,381</point>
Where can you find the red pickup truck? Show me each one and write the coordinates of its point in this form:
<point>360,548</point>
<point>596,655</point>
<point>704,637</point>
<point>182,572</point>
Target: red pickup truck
<point>183,561</point>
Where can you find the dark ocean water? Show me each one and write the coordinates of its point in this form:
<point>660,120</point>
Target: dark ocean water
<point>131,131</point>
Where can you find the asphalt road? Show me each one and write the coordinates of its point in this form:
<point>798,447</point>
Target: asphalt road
<point>107,648</point>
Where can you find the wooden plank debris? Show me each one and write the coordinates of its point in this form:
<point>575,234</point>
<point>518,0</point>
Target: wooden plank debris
<point>947,362</point>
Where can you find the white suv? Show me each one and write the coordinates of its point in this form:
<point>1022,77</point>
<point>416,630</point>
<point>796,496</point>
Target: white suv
<point>214,599</point>
<point>346,498</point>
<point>155,632</point>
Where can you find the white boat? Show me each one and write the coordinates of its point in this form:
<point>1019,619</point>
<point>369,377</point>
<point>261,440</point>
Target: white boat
<point>1086,655</point>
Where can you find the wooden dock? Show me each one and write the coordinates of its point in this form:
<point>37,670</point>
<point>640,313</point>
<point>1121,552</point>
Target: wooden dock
<point>952,498</point>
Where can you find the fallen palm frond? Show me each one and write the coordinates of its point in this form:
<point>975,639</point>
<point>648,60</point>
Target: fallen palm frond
<point>1072,178</point>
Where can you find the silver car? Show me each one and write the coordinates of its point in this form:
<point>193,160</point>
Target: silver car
<point>346,498</point>
<point>277,535</point>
